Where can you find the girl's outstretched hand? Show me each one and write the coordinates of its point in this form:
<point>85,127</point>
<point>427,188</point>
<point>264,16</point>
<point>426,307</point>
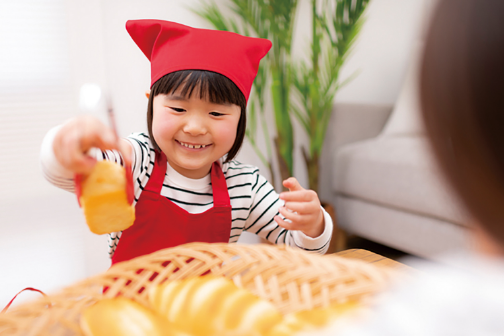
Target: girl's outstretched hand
<point>80,134</point>
<point>302,209</point>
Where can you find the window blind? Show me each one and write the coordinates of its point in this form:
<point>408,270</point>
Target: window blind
<point>35,90</point>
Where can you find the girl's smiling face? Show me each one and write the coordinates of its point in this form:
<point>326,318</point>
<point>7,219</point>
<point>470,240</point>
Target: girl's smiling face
<point>193,132</point>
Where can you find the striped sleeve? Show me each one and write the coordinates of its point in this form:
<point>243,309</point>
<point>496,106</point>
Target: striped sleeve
<point>58,175</point>
<point>264,208</point>
<point>52,170</point>
<point>55,173</point>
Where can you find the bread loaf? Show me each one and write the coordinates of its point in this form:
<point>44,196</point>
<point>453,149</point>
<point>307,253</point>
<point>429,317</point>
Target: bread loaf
<point>124,317</point>
<point>212,305</point>
<point>104,201</point>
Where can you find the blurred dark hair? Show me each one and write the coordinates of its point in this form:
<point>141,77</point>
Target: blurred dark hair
<point>212,86</point>
<point>462,97</point>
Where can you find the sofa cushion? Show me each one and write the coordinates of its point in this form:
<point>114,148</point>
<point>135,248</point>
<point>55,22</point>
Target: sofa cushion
<point>406,118</point>
<point>397,172</point>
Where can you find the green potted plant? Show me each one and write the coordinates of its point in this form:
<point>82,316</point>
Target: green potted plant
<point>334,28</point>
<point>303,89</point>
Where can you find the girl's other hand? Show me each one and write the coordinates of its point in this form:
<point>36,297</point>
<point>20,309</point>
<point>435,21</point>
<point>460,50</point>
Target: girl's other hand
<point>302,209</point>
<point>79,135</point>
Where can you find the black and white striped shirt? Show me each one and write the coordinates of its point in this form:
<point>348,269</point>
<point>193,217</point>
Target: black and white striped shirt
<point>254,201</point>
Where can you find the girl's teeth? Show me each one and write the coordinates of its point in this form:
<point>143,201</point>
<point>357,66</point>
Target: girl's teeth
<point>192,146</point>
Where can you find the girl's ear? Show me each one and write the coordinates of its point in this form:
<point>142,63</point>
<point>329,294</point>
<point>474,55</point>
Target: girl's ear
<point>147,94</point>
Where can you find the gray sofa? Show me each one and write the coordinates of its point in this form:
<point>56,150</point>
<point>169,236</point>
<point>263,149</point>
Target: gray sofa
<point>386,186</point>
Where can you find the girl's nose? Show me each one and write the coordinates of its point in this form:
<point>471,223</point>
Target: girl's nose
<point>194,126</point>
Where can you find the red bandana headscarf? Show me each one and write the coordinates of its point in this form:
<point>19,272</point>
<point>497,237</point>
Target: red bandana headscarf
<point>172,47</point>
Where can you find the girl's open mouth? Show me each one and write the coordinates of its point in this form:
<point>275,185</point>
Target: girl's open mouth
<point>192,146</point>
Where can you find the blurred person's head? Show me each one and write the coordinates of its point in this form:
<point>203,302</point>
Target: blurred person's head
<point>462,96</point>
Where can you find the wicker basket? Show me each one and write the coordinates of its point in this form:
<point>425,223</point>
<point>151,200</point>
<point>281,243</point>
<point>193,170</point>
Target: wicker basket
<point>291,279</point>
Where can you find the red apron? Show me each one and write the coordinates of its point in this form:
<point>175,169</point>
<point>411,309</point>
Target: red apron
<point>160,223</point>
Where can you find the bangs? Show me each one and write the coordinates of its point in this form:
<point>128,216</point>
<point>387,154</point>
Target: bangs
<point>211,86</point>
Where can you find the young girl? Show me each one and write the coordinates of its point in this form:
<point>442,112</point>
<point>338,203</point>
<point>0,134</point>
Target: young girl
<point>188,187</point>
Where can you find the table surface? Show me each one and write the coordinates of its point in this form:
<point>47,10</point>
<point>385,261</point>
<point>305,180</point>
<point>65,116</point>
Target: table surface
<point>371,258</point>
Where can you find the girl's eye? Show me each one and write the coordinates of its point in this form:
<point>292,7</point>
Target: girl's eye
<point>216,114</point>
<point>176,109</point>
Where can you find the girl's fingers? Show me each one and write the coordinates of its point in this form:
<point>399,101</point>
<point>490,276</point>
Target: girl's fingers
<point>68,153</point>
<point>77,161</point>
<point>83,164</point>
<point>77,137</point>
<point>286,225</point>
<point>301,207</point>
<point>292,184</point>
<point>293,216</point>
<point>105,139</point>
<point>298,196</point>
<point>98,136</point>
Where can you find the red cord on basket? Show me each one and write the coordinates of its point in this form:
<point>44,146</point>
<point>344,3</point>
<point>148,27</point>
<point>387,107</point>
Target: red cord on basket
<point>27,288</point>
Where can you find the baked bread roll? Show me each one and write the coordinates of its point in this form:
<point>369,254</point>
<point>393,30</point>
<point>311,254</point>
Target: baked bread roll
<point>313,319</point>
<point>124,317</point>
<point>104,200</point>
<point>211,305</point>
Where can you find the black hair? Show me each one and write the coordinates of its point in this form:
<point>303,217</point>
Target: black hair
<point>214,87</point>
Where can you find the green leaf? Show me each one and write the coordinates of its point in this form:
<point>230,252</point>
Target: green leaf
<point>301,118</point>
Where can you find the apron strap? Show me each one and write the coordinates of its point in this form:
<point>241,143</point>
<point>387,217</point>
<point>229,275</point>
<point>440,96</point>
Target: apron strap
<point>219,187</point>
<point>158,173</point>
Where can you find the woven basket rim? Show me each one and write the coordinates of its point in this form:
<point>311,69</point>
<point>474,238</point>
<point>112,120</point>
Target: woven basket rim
<point>290,278</point>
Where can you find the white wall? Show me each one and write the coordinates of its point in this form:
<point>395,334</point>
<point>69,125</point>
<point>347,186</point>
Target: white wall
<point>382,51</point>
<point>44,241</point>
